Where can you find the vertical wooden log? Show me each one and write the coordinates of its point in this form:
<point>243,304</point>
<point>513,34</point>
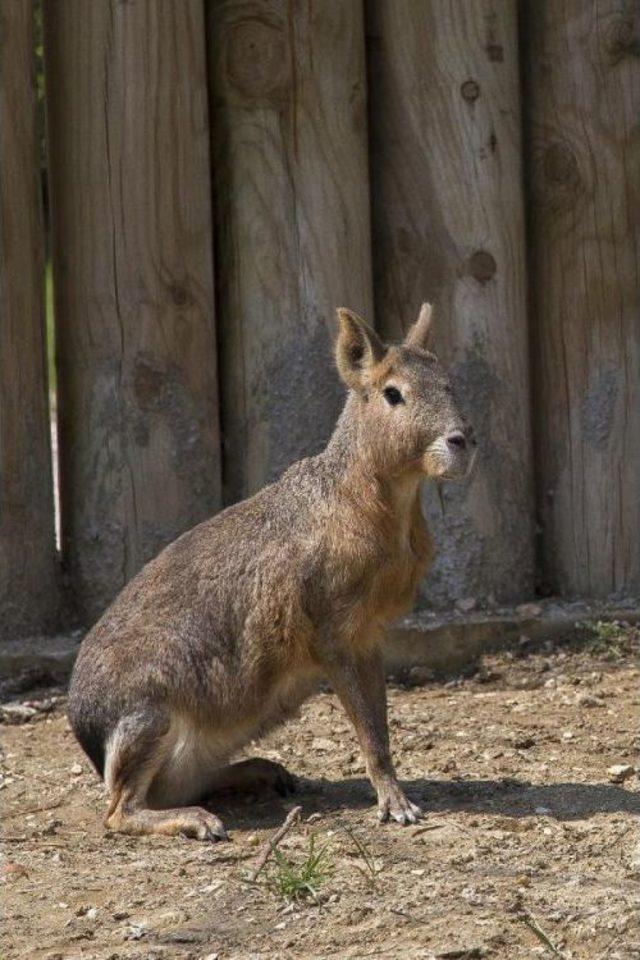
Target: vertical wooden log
<point>27,546</point>
<point>583,89</point>
<point>130,189</point>
<point>292,212</point>
<point>449,227</point>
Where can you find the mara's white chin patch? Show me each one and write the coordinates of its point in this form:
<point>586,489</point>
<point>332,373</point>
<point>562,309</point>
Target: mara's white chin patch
<point>442,462</point>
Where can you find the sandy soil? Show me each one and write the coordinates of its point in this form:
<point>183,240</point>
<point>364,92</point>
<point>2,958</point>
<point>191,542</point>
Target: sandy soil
<point>524,835</point>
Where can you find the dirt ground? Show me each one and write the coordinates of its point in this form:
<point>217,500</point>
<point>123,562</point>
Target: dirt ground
<point>528,847</point>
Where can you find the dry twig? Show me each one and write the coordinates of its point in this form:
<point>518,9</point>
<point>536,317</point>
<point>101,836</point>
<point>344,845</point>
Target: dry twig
<point>530,921</point>
<point>273,842</point>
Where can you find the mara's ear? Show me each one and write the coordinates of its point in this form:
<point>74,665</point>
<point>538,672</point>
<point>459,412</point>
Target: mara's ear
<point>418,335</point>
<point>358,348</point>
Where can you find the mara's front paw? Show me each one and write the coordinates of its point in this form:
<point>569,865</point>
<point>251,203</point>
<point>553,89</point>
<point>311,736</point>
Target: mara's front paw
<point>393,805</point>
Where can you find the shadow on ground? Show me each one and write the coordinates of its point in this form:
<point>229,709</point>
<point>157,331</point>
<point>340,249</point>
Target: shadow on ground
<point>507,797</point>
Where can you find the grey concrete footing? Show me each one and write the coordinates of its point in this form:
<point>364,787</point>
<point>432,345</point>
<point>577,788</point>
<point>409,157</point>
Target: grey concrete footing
<point>443,643</point>
<point>446,643</point>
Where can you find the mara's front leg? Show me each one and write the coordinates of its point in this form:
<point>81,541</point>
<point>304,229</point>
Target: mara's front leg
<point>359,682</point>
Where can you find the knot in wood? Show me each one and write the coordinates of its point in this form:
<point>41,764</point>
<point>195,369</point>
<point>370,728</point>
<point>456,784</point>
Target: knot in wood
<point>621,38</point>
<point>180,296</point>
<point>482,266</point>
<point>256,58</point>
<point>560,165</point>
<point>148,383</point>
<point>470,90</point>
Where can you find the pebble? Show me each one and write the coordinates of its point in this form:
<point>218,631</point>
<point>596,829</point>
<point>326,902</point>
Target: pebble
<point>16,713</point>
<point>524,743</point>
<point>14,870</point>
<point>466,604</point>
<point>76,769</point>
<point>529,609</point>
<point>620,772</point>
<point>589,700</point>
<point>420,675</point>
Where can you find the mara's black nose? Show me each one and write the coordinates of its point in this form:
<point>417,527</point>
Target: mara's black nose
<point>457,440</point>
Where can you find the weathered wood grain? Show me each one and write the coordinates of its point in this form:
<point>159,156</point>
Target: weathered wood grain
<point>27,547</point>
<point>130,188</point>
<point>583,141</point>
<point>449,227</point>
<point>292,221</point>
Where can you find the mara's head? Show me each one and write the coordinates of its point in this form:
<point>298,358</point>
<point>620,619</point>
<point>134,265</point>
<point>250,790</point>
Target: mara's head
<point>409,418</point>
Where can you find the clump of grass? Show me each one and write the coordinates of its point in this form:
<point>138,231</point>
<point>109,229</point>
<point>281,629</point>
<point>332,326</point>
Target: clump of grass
<point>611,639</point>
<point>294,881</point>
<point>370,868</point>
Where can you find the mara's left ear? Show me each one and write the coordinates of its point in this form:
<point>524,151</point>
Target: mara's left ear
<point>358,348</point>
<point>418,335</point>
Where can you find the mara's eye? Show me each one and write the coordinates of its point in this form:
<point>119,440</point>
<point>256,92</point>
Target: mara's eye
<point>393,396</point>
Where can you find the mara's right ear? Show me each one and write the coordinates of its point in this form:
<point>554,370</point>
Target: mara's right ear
<point>418,335</point>
<point>358,348</point>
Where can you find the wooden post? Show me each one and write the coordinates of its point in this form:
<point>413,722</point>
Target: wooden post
<point>583,95</point>
<point>130,189</point>
<point>27,546</point>
<point>292,221</point>
<point>449,227</point>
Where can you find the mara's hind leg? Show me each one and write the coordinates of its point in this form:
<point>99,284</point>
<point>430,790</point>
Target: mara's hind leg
<point>253,775</point>
<point>136,752</point>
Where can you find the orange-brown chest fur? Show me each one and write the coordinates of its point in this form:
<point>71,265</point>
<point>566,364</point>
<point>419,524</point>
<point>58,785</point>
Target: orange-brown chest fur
<point>379,557</point>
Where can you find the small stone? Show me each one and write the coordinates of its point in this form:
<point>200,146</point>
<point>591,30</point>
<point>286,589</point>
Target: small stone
<point>529,610</point>
<point>589,700</point>
<point>419,675</point>
<point>14,870</point>
<point>50,828</point>
<point>542,811</point>
<point>322,743</point>
<point>76,769</point>
<point>14,713</point>
<point>620,772</point>
<point>466,604</point>
<point>524,743</point>
<point>135,931</point>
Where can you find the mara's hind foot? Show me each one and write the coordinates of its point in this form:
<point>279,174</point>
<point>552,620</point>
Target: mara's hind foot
<point>254,776</point>
<point>138,750</point>
<point>177,821</point>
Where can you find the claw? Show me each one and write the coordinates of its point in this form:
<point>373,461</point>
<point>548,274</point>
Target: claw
<point>400,809</point>
<point>210,829</point>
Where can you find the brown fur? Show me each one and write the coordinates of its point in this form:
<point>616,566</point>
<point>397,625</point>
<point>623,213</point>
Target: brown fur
<point>229,629</point>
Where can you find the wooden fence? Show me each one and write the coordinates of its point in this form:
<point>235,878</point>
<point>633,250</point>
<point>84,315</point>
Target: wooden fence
<point>222,174</point>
